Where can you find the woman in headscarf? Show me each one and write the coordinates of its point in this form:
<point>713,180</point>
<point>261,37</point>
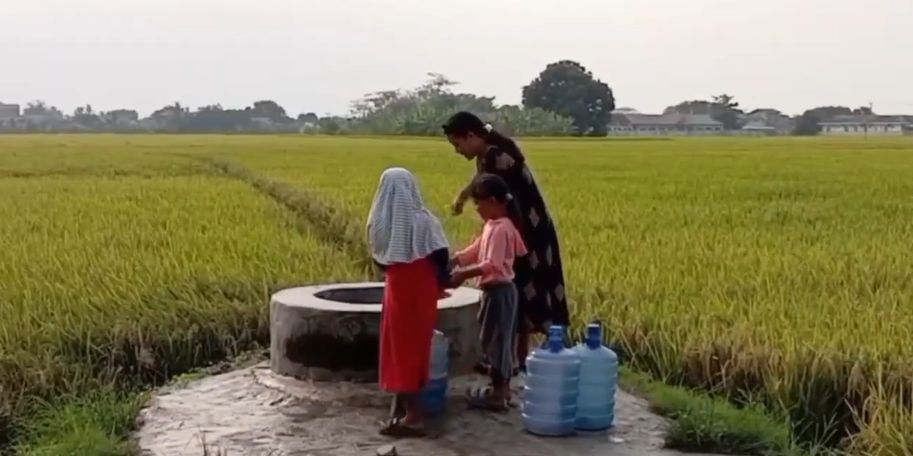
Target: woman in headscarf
<point>408,243</point>
<point>539,275</point>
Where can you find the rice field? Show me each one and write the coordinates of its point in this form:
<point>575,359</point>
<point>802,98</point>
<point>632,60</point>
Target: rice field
<point>775,271</point>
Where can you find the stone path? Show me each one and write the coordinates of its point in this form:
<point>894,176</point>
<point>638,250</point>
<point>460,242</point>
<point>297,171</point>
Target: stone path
<point>254,412</point>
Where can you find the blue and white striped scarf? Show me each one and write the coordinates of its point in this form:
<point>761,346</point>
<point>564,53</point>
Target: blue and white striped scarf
<point>400,228</point>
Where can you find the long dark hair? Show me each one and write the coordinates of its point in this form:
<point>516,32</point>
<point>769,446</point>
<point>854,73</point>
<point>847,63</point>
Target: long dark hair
<point>463,123</point>
<point>486,186</point>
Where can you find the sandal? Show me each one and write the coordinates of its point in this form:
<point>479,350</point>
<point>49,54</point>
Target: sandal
<point>509,401</point>
<point>481,398</point>
<point>397,427</point>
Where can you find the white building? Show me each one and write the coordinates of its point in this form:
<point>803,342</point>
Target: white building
<point>8,112</point>
<point>635,124</point>
<point>867,125</point>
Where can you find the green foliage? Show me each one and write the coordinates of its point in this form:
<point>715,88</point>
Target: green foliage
<point>701,423</point>
<point>97,424</point>
<point>568,89</point>
<point>807,125</point>
<point>264,115</point>
<point>422,111</point>
<point>722,108</point>
<point>809,122</point>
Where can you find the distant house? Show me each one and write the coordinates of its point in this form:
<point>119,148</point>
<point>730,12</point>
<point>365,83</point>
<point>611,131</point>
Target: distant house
<point>8,112</point>
<point>758,127</point>
<point>768,122</point>
<point>867,125</point>
<point>636,124</point>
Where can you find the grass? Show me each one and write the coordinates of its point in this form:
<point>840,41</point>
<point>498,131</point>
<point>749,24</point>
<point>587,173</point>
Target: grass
<point>95,424</point>
<point>118,276</point>
<point>701,423</point>
<point>771,272</point>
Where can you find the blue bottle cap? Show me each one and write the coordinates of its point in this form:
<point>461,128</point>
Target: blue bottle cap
<point>555,338</point>
<point>593,335</point>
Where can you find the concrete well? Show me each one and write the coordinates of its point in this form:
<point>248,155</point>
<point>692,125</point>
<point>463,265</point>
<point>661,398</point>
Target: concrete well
<point>331,332</point>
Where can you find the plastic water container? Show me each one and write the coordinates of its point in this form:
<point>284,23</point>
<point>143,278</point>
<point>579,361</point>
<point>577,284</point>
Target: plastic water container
<point>434,395</point>
<point>598,382</point>
<point>550,393</point>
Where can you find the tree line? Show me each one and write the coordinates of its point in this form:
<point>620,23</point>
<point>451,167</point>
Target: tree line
<point>563,99</point>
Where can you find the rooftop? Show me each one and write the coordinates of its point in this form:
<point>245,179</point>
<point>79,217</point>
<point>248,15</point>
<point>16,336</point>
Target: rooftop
<point>861,120</point>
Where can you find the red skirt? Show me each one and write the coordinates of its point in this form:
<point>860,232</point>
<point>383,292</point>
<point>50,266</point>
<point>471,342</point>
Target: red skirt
<point>408,317</point>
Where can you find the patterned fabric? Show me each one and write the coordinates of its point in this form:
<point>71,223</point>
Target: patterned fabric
<point>539,275</point>
<point>400,228</point>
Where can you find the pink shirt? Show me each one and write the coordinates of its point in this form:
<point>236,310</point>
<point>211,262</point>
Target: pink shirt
<point>494,251</point>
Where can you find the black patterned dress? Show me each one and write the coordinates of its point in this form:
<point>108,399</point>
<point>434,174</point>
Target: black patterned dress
<point>539,275</point>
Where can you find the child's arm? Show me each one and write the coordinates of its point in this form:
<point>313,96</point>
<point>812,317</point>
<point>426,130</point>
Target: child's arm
<point>469,255</point>
<point>486,260</point>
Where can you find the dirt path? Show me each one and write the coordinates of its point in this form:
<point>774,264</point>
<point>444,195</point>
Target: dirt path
<point>253,412</point>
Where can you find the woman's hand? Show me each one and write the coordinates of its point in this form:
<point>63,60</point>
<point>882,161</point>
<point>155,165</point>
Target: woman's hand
<point>457,207</point>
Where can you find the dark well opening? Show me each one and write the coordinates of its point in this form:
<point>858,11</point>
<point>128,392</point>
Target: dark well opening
<point>371,295</point>
<point>367,295</point>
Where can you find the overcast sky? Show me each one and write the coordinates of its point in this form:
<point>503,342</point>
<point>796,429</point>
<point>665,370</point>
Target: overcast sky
<point>319,55</point>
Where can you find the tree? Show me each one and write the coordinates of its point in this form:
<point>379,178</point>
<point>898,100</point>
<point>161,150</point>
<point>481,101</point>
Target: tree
<point>86,118</point>
<point>809,122</point>
<point>310,118</point>
<point>170,117</point>
<point>120,117</point>
<point>271,110</point>
<point>422,111</point>
<point>40,108</point>
<point>568,89</point>
<point>863,111</point>
<point>722,108</point>
<point>515,120</point>
<point>807,125</point>
<point>726,111</point>
<point>330,125</point>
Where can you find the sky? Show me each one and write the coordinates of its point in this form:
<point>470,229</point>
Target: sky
<point>318,56</point>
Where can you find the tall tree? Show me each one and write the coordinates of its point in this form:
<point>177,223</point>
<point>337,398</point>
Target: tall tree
<point>568,89</point>
<point>726,111</point>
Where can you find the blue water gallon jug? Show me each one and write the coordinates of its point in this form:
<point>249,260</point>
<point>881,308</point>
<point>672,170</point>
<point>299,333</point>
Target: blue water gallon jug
<point>434,395</point>
<point>550,392</point>
<point>598,382</point>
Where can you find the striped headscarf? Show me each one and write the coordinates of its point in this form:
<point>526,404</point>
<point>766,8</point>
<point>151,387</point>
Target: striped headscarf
<point>400,228</point>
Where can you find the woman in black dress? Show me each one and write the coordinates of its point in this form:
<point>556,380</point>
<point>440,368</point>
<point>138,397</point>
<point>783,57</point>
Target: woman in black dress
<point>539,275</point>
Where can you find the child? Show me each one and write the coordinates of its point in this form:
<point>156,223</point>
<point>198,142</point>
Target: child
<point>491,257</point>
<point>407,241</point>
